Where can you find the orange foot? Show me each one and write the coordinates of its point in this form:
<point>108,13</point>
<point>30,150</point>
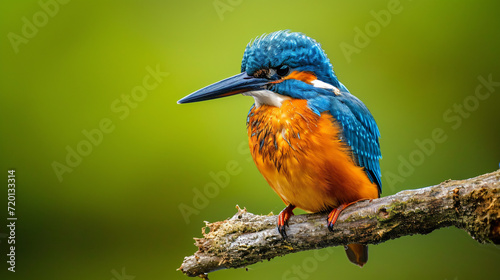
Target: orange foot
<point>283,218</point>
<point>334,215</point>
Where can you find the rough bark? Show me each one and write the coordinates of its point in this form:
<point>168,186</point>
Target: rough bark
<point>472,205</point>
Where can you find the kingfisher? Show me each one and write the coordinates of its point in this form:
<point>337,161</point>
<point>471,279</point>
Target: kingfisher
<point>316,144</point>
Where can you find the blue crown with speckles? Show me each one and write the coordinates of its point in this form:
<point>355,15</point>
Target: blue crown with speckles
<point>294,49</point>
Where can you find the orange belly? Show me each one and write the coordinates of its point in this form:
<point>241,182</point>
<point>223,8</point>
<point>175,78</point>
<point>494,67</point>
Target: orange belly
<point>300,155</point>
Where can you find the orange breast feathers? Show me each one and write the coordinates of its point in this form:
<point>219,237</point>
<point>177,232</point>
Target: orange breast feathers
<point>300,155</point>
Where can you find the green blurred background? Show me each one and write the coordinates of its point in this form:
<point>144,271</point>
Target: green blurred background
<point>117,213</point>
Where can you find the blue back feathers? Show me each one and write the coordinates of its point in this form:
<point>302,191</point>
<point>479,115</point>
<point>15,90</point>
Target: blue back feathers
<point>302,53</point>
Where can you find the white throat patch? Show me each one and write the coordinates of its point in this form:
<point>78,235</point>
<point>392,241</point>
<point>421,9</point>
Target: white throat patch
<point>266,97</point>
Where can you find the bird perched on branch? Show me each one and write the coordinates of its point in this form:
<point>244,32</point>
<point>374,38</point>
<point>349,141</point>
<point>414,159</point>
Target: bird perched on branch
<point>314,142</point>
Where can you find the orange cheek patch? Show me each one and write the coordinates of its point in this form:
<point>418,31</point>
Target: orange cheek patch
<point>307,77</point>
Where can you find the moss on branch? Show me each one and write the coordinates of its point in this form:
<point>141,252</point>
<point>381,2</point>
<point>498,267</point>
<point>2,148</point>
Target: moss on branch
<point>472,205</point>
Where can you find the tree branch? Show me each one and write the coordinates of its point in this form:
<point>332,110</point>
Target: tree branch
<point>472,205</point>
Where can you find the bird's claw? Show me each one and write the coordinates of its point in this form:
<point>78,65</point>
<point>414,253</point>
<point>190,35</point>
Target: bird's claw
<point>282,230</point>
<point>334,215</point>
<point>283,218</point>
<point>330,221</point>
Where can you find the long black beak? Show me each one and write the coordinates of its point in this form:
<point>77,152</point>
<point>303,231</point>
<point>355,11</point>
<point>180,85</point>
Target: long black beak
<point>233,85</point>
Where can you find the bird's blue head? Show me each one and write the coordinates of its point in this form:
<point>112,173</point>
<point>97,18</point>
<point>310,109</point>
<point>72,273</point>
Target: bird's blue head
<point>283,49</point>
<point>276,67</point>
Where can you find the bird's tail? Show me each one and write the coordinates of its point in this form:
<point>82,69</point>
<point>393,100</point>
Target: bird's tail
<point>357,253</point>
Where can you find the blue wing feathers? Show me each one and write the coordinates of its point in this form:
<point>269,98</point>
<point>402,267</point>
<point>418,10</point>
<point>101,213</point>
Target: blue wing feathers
<point>360,132</point>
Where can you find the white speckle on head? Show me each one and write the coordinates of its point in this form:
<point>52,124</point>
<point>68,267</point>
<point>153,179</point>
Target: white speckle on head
<point>266,97</point>
<point>321,84</point>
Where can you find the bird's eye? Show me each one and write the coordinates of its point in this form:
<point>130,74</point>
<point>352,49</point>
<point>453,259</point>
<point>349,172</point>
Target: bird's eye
<point>283,70</point>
